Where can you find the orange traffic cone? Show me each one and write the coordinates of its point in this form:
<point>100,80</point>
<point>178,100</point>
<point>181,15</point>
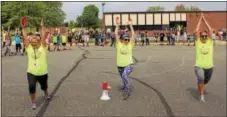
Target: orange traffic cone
<point>105,88</point>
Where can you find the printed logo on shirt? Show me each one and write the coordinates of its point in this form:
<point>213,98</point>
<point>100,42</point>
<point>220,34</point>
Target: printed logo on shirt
<point>124,50</point>
<point>204,50</point>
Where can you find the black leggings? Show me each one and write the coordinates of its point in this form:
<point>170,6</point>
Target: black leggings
<point>18,47</point>
<point>32,80</point>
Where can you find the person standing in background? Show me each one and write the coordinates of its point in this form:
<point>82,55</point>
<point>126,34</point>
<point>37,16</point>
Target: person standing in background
<point>54,40</point>
<point>169,37</point>
<point>162,36</point>
<point>142,38</point>
<point>113,39</point>
<point>214,37</point>
<point>3,38</point>
<point>147,39</point>
<point>64,40</point>
<point>69,36</point>
<point>8,44</point>
<point>17,39</point>
<point>185,36</point>
<point>97,38</point>
<point>58,40</point>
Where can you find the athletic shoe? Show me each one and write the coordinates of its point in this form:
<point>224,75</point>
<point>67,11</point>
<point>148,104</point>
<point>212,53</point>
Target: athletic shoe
<point>33,106</point>
<point>126,96</point>
<point>123,88</point>
<point>202,99</point>
<point>47,97</point>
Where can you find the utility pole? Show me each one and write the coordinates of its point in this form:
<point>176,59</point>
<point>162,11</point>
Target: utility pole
<point>103,17</point>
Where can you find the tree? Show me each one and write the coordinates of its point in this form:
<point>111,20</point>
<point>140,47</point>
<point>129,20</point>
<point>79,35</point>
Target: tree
<point>181,7</point>
<point>66,24</point>
<point>193,8</point>
<point>155,8</point>
<point>89,16</point>
<point>72,24</point>
<point>51,12</point>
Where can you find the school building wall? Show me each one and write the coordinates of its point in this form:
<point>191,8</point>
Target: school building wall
<point>165,20</point>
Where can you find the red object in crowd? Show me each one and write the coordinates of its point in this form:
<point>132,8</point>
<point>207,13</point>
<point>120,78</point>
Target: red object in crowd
<point>24,21</point>
<point>104,86</point>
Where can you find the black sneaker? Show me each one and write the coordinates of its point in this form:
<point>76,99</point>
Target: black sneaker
<point>126,96</point>
<point>48,97</point>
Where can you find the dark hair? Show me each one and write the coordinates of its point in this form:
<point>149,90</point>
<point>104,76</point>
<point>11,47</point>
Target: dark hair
<point>30,33</point>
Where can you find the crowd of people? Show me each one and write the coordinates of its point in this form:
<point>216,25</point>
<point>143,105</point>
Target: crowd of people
<point>64,41</point>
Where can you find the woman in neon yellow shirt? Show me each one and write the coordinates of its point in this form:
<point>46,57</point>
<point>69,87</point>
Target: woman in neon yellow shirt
<point>124,56</point>
<point>64,41</point>
<point>204,56</point>
<point>37,63</point>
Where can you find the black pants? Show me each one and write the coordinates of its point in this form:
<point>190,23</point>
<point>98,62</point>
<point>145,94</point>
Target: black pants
<point>97,41</point>
<point>147,41</point>
<point>169,40</point>
<point>112,42</point>
<point>203,75</point>
<point>32,80</point>
<point>142,41</point>
<point>18,48</point>
<point>4,44</point>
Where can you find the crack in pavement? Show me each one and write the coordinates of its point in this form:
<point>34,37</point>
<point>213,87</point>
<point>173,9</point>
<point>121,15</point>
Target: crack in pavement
<point>167,107</point>
<point>161,97</point>
<point>42,110</point>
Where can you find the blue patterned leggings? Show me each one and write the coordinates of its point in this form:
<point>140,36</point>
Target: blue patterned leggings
<point>125,72</point>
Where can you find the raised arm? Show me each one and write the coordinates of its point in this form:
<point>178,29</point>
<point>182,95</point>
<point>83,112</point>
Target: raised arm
<point>197,29</point>
<point>132,30</point>
<point>43,33</point>
<point>117,29</point>
<point>23,25</point>
<point>208,26</point>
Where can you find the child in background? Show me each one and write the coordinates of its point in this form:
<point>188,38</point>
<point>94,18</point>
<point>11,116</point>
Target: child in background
<point>64,41</point>
<point>54,40</point>
<point>17,39</point>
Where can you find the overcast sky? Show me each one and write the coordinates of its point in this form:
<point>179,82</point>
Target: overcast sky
<point>73,9</point>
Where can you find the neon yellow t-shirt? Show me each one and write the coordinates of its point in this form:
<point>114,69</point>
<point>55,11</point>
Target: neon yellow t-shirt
<point>64,39</point>
<point>37,60</point>
<point>204,54</point>
<point>124,54</point>
<point>54,39</point>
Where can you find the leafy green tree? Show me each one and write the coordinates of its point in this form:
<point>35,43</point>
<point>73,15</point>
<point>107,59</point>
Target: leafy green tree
<point>51,12</point>
<point>193,8</point>
<point>155,8</point>
<point>181,7</point>
<point>89,16</point>
<point>72,24</point>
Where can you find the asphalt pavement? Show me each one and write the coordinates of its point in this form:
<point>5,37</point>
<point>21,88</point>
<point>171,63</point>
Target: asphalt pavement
<point>163,83</point>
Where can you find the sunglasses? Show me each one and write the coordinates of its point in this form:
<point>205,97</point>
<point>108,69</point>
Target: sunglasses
<point>126,40</point>
<point>204,36</point>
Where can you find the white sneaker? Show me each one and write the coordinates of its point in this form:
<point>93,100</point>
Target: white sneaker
<point>33,106</point>
<point>202,99</point>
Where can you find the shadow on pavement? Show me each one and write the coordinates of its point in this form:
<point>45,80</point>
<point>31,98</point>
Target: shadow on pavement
<point>193,92</point>
<point>40,100</point>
